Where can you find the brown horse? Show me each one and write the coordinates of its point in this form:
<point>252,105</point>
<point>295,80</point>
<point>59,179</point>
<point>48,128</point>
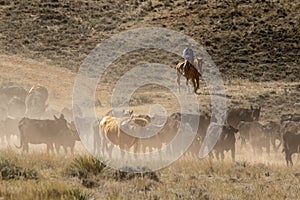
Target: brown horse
<point>191,73</point>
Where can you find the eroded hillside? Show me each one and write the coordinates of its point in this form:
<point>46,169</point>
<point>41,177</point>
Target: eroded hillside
<point>256,40</point>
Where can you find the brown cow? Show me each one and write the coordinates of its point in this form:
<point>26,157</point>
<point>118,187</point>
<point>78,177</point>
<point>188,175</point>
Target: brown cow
<point>111,129</point>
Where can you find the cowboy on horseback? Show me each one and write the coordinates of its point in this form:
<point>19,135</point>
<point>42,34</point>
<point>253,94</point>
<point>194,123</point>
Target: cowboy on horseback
<point>188,55</point>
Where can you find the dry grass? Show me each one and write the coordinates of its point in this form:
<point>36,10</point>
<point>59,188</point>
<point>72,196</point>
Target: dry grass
<point>187,178</point>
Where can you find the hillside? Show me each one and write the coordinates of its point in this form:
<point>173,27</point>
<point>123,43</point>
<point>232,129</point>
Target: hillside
<point>255,40</point>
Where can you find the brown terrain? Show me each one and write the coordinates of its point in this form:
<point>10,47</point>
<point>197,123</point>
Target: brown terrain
<point>255,44</point>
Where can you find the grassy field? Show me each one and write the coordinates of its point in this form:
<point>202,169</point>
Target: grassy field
<point>42,176</point>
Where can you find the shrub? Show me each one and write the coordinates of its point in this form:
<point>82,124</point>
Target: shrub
<point>84,166</point>
<point>80,195</point>
<point>9,170</point>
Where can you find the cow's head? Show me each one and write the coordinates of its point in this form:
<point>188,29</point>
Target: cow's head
<point>104,120</point>
<point>230,129</point>
<point>255,113</point>
<point>176,116</point>
<point>61,121</point>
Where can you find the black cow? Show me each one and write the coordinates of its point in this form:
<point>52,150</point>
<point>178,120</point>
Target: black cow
<point>258,137</point>
<point>67,139</point>
<point>49,132</point>
<point>291,140</point>
<point>199,124</point>
<point>237,115</point>
<point>225,142</point>
<point>273,129</point>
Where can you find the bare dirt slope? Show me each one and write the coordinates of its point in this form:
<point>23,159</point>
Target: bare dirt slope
<point>275,97</point>
<point>27,72</point>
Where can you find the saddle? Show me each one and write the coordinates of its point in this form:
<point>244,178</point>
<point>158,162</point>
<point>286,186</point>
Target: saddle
<point>197,65</point>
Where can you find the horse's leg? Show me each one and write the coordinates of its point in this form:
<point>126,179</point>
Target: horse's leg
<point>188,87</point>
<point>197,84</point>
<point>178,81</point>
<point>194,85</point>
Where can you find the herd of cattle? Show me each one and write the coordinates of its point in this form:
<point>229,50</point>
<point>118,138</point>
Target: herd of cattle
<point>242,124</point>
<point>25,114</point>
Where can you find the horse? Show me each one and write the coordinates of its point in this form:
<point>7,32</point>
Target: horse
<point>190,73</point>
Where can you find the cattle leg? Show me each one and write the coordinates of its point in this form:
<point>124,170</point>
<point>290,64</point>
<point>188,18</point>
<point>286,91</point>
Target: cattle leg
<point>222,155</point>
<point>50,148</point>
<point>211,155</point>
<point>268,150</point>
<point>273,142</point>
<point>254,150</point>
<point>217,154</point>
<point>26,147</point>
<point>243,143</point>
<point>233,154</point>
<point>277,147</point>
<point>135,150</point>
<point>109,150</point>
<point>57,147</point>
<point>72,149</point>
<point>2,140</point>
<point>65,150</point>
<point>288,158</point>
<point>122,147</point>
